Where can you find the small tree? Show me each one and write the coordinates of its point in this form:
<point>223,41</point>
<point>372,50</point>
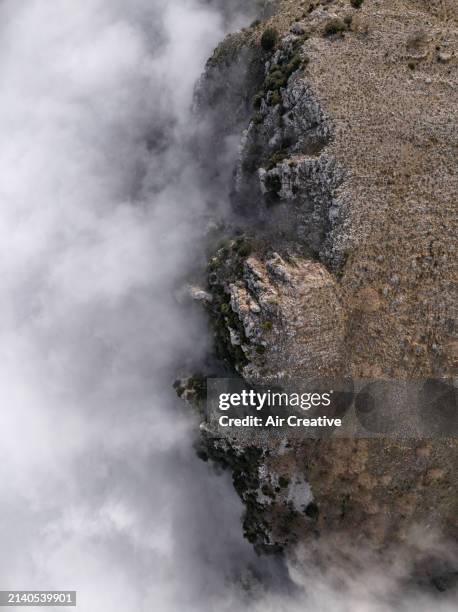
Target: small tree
<point>269,39</point>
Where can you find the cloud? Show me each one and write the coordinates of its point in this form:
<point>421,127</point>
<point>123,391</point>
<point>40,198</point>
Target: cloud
<point>101,214</point>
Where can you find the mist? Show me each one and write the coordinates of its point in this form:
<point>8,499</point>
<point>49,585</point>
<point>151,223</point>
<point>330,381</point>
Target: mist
<point>102,220</point>
<point>101,213</point>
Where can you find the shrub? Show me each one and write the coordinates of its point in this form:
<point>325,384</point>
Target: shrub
<point>273,183</point>
<point>294,64</point>
<point>312,511</point>
<point>257,100</point>
<point>276,79</point>
<point>275,98</point>
<point>269,39</point>
<point>277,158</point>
<point>198,384</point>
<point>356,3</point>
<point>255,23</point>
<point>334,26</point>
<point>243,247</point>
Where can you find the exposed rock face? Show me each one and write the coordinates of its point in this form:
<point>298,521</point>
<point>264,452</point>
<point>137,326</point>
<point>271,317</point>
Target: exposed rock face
<point>345,189</point>
<point>289,322</point>
<point>281,178</point>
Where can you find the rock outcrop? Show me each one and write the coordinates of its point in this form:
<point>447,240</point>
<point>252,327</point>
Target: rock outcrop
<point>282,316</point>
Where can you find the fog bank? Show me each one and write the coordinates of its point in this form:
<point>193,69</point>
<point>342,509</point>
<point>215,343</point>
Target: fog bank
<point>101,214</point>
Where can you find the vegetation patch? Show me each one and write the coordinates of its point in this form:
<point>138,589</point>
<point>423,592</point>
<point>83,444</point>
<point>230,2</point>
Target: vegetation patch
<point>227,266</point>
<point>257,100</point>
<point>275,98</point>
<point>277,158</point>
<point>335,27</point>
<point>278,75</point>
<point>269,39</point>
<point>273,183</point>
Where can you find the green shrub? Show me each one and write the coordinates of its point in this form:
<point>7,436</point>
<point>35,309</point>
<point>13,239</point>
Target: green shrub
<point>273,183</point>
<point>312,511</point>
<point>243,247</point>
<point>225,309</point>
<point>334,26</point>
<point>277,158</point>
<point>198,384</point>
<point>269,39</point>
<point>294,64</point>
<point>276,79</point>
<point>255,23</point>
<point>356,3</point>
<point>275,98</point>
<point>257,100</point>
<point>279,74</point>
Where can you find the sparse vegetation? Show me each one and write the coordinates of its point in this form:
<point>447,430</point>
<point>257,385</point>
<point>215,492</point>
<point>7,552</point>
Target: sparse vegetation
<point>335,26</point>
<point>356,3</point>
<point>269,39</point>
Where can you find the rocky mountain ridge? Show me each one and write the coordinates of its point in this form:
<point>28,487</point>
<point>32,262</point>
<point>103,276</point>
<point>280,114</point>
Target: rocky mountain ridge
<point>340,257</point>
